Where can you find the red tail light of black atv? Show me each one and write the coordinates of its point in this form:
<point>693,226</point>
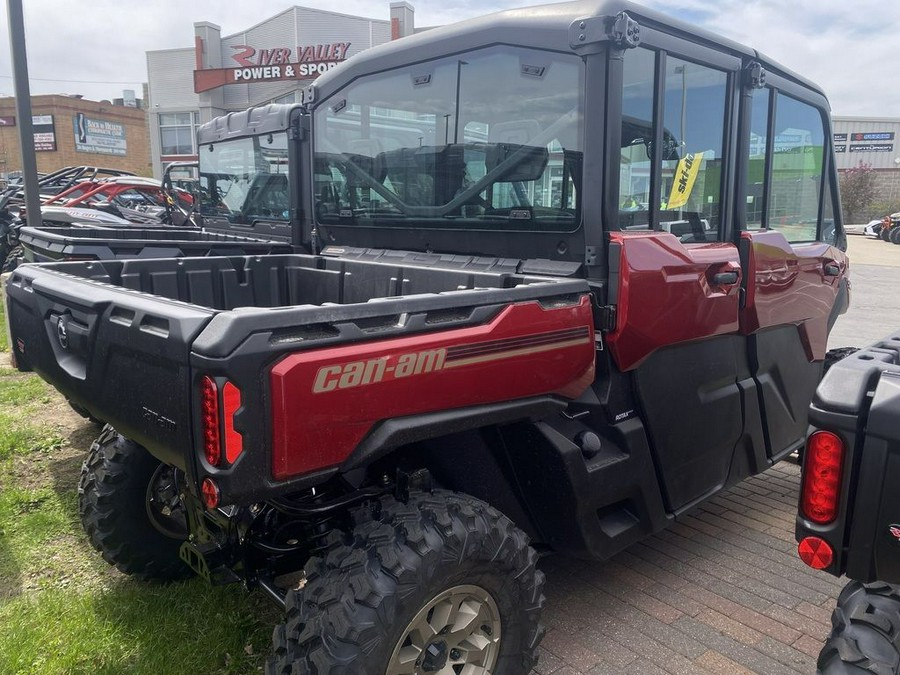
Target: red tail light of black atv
<point>820,495</point>
<point>209,408</point>
<point>219,428</point>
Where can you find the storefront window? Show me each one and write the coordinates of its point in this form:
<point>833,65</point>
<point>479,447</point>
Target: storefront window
<point>177,132</point>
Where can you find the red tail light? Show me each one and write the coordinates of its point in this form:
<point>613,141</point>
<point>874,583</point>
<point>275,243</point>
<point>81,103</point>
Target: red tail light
<point>209,409</point>
<point>218,428</point>
<point>822,477</point>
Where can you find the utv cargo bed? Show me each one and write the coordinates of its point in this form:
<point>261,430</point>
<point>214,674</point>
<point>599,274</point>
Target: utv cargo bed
<point>125,340</point>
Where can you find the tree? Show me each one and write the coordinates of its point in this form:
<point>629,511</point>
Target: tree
<point>857,190</point>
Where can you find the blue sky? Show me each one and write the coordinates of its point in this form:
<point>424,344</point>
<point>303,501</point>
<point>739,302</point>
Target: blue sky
<point>851,49</point>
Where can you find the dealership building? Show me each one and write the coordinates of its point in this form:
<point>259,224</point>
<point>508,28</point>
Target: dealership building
<point>874,141</point>
<point>73,131</point>
<point>270,62</point>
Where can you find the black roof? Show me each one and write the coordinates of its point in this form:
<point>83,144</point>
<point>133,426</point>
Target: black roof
<point>542,27</point>
<point>262,119</point>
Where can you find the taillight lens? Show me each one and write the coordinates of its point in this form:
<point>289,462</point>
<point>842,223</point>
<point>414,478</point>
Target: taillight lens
<point>209,406</point>
<point>234,442</point>
<point>822,477</point>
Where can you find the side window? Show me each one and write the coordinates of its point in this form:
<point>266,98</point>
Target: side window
<point>798,153</point>
<point>690,155</point>
<point>829,229</point>
<point>756,174</point>
<point>637,139</point>
<point>693,142</point>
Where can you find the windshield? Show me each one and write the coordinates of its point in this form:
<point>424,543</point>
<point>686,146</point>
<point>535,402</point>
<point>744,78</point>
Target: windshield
<point>491,140</point>
<point>245,179</point>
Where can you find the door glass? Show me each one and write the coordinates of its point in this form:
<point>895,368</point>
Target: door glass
<point>799,148</point>
<point>637,140</point>
<point>756,174</point>
<point>693,142</point>
<point>829,229</point>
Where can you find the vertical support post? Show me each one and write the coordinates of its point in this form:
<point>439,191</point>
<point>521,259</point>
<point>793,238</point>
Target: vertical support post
<point>23,110</point>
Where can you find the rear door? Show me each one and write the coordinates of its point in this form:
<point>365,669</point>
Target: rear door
<point>795,276</point>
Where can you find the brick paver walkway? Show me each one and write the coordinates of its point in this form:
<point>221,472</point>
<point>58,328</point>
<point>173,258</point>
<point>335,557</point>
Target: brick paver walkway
<point>720,591</point>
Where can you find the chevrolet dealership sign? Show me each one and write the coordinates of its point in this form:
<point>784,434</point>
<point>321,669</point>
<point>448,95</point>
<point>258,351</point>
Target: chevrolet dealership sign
<point>273,65</point>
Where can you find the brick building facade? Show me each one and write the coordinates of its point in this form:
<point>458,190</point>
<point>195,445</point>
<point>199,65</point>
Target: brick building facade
<point>71,131</point>
<point>874,142</point>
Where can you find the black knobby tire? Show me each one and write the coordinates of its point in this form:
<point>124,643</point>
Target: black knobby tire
<point>113,504</point>
<point>865,637</point>
<point>11,257</point>
<point>361,594</point>
<point>832,356</point>
<point>885,234</point>
<point>894,235</point>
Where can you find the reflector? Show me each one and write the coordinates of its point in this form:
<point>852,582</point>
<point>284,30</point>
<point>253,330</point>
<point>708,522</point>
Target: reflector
<point>210,493</point>
<point>816,552</point>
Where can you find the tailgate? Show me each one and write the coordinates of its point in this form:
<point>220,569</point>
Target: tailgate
<point>859,400</point>
<point>121,355</point>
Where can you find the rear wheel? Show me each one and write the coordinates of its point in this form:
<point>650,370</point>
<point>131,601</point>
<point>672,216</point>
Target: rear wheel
<point>865,637</point>
<point>131,509</point>
<point>442,584</point>
<point>885,234</point>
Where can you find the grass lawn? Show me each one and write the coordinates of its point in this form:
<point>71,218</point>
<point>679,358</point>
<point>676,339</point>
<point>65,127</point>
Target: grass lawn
<point>62,608</point>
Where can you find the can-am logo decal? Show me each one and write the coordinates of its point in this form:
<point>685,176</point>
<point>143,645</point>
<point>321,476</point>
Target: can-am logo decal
<point>895,531</point>
<point>395,367</point>
<point>359,373</point>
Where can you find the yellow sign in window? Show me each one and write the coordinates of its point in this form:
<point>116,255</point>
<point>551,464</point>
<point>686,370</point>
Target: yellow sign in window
<point>685,176</point>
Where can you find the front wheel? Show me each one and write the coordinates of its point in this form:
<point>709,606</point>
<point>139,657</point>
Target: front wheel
<point>865,637</point>
<point>442,584</point>
<point>131,509</point>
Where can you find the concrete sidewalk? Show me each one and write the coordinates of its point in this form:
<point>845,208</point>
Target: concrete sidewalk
<point>721,591</point>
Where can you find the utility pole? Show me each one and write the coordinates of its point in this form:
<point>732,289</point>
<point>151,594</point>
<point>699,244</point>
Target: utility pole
<point>23,110</point>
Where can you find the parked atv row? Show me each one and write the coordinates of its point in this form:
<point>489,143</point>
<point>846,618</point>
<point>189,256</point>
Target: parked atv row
<point>888,229</point>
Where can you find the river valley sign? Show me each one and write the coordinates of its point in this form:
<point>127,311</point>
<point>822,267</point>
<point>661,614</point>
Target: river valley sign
<point>273,65</point>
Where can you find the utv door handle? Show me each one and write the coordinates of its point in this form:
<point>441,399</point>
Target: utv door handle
<point>832,270</point>
<point>725,278</point>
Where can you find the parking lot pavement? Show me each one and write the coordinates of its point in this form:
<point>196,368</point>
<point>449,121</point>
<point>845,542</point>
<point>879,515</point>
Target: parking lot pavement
<point>720,591</point>
<point>874,301</point>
